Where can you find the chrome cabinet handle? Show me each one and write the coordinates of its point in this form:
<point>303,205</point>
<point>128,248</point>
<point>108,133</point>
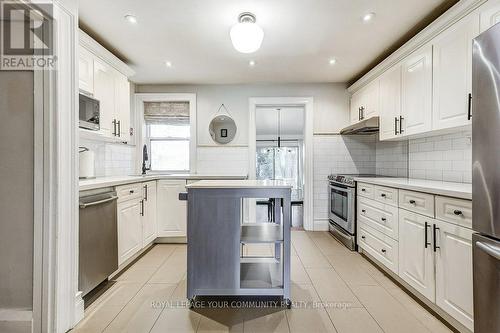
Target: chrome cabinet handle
<point>401,125</point>
<point>142,207</point>
<point>493,251</point>
<point>396,125</point>
<point>114,127</point>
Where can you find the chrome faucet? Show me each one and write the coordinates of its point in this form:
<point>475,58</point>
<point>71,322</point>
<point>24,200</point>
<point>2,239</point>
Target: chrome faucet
<point>145,159</point>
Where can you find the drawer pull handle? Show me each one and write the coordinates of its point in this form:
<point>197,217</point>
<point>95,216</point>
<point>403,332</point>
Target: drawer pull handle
<point>363,190</point>
<point>131,191</point>
<point>383,250</point>
<point>384,219</point>
<point>412,202</point>
<point>363,211</point>
<point>457,212</point>
<point>383,195</point>
<point>363,237</point>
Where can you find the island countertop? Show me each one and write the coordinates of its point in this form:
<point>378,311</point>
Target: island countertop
<point>240,184</point>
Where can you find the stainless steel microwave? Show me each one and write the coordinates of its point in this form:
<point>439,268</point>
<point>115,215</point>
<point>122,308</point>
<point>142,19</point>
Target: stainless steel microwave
<point>89,113</point>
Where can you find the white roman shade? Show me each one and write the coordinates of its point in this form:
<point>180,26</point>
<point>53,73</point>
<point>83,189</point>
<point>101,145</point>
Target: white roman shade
<point>174,113</point>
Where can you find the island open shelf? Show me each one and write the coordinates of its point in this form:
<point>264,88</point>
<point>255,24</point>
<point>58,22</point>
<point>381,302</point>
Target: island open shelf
<point>216,233</point>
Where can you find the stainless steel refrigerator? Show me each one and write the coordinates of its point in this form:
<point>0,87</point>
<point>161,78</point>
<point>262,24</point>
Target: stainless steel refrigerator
<point>486,180</point>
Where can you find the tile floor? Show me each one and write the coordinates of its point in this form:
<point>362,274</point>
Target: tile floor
<point>356,295</point>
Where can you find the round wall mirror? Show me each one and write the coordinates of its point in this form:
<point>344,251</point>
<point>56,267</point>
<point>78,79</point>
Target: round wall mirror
<point>222,129</point>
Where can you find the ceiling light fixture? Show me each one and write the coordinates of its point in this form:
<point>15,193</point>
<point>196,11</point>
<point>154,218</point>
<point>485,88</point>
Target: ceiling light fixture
<point>252,63</point>
<point>131,18</point>
<point>332,61</point>
<point>246,35</point>
<point>168,64</point>
<point>368,17</point>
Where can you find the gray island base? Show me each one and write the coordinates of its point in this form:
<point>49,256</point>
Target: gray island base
<point>219,227</point>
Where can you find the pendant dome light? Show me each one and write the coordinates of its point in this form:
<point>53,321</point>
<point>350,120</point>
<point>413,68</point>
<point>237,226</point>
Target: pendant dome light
<point>246,35</point>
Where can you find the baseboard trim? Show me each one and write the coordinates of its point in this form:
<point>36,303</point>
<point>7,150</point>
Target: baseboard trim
<point>320,224</point>
<point>79,307</point>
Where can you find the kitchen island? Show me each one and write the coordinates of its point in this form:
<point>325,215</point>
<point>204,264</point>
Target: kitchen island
<point>218,229</point>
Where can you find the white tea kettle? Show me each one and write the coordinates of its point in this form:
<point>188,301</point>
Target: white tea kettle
<point>87,163</point>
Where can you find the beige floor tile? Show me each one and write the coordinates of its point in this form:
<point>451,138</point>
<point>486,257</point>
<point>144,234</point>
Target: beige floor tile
<point>140,314</point>
<point>307,251</point>
<point>99,319</point>
<point>351,272</point>
<point>389,313</point>
<point>353,320</point>
<point>265,321</point>
<point>325,242</point>
<point>15,326</point>
<point>173,269</point>
<point>293,252</point>
<point>425,317</point>
<point>118,295</point>
<point>177,320</point>
<point>331,288</point>
<point>298,272</point>
<point>381,278</point>
<point>221,320</point>
<point>137,274</point>
<point>157,255</point>
<point>180,292</point>
<point>309,320</point>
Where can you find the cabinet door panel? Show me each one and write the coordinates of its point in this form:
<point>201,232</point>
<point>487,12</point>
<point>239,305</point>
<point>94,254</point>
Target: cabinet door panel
<point>416,262</point>
<point>355,105</point>
<point>452,73</point>
<point>122,106</point>
<point>454,272</point>
<point>129,229</point>
<point>371,99</point>
<point>104,91</point>
<point>149,219</point>
<point>85,70</point>
<point>172,213</point>
<point>489,14</point>
<point>416,107</point>
<point>390,102</point>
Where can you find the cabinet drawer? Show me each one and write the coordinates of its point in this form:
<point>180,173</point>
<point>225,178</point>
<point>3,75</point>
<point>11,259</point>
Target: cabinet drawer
<point>387,195</point>
<point>379,216</point>
<point>381,247</point>
<point>129,191</point>
<point>366,190</point>
<point>454,210</point>
<point>417,202</point>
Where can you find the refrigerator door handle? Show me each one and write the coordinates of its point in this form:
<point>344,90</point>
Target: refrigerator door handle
<point>493,251</point>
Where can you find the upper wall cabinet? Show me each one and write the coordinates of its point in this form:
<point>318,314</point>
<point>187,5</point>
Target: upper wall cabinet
<point>390,102</point>
<point>105,77</point>
<point>416,92</point>
<point>452,74</point>
<point>489,14</point>
<point>365,103</point>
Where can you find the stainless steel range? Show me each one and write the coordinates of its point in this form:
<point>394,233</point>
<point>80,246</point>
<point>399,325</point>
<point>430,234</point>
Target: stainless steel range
<point>342,207</point>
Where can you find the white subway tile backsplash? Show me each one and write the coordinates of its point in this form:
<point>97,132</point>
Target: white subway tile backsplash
<point>111,159</point>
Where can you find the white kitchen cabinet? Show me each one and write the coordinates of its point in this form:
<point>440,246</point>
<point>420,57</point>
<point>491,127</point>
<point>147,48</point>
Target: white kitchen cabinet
<point>104,91</point>
<point>85,71</point>
<point>122,107</point>
<point>149,223</point>
<point>172,212</point>
<point>416,256</point>
<point>454,271</point>
<point>129,229</point>
<point>416,92</point>
<point>390,103</point>
<point>452,74</point>
<point>489,14</point>
<point>370,100</point>
<point>355,107</point>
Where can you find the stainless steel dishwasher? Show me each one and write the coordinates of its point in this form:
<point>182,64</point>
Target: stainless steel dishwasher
<point>98,240</point>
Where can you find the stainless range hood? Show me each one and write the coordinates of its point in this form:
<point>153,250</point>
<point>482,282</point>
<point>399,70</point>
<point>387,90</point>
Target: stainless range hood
<point>367,126</point>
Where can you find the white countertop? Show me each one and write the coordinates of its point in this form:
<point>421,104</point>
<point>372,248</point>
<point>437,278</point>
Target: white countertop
<point>450,189</point>
<point>89,184</point>
<point>240,184</point>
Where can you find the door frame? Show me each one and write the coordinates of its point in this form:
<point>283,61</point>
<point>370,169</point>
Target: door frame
<point>308,104</point>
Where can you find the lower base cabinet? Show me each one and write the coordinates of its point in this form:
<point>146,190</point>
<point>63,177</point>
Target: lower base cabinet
<point>129,229</point>
<point>172,213</point>
<point>149,213</point>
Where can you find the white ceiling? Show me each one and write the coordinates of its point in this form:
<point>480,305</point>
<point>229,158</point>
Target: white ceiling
<point>300,37</point>
<point>291,121</point>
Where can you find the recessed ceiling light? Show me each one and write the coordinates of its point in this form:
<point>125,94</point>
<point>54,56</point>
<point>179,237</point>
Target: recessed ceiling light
<point>168,64</point>
<point>252,63</point>
<point>368,17</point>
<point>332,61</point>
<point>131,18</point>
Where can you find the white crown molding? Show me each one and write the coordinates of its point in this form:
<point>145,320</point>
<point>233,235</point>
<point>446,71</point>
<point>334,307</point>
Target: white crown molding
<point>447,19</point>
<point>100,51</point>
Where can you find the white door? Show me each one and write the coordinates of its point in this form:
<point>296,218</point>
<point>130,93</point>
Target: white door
<point>149,219</point>
<point>390,102</point>
<point>355,106</point>
<point>104,91</point>
<point>454,272</point>
<point>371,100</point>
<point>416,92</point>
<point>122,106</point>
<point>85,71</point>
<point>416,259</point>
<point>172,213</point>
<point>129,229</point>
<point>452,74</point>
<point>489,14</point>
